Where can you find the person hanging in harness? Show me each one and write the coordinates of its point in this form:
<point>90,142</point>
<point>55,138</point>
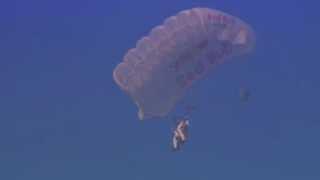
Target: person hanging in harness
<point>180,134</point>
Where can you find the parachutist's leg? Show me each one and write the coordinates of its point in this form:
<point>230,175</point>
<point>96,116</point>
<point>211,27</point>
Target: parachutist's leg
<point>175,145</point>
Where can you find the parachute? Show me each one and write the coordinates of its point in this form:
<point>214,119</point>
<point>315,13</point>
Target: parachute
<point>158,72</point>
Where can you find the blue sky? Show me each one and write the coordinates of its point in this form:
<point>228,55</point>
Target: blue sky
<point>63,117</point>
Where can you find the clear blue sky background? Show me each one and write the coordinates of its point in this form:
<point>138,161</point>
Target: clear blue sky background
<point>63,117</point>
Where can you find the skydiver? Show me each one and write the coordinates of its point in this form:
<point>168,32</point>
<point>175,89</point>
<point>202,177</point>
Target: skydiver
<point>180,134</point>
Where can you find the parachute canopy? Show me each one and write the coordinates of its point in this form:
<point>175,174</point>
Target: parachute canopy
<point>161,68</point>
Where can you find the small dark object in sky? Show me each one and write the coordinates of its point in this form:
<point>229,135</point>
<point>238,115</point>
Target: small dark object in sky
<point>244,94</point>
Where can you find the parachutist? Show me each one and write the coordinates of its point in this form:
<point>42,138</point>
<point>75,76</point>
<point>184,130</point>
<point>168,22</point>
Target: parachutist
<point>180,134</point>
